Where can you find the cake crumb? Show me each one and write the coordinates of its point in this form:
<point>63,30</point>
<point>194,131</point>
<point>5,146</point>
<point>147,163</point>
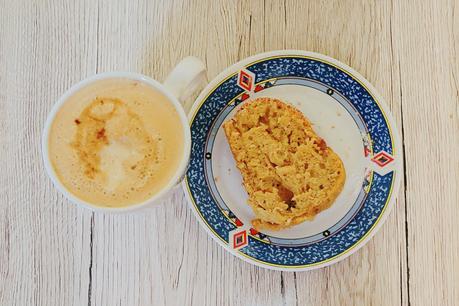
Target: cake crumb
<point>289,172</point>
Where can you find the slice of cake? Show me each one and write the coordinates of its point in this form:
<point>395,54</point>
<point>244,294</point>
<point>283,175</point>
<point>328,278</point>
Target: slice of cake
<point>289,172</point>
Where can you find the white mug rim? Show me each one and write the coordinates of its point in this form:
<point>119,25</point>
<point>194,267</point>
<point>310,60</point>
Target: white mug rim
<point>116,75</point>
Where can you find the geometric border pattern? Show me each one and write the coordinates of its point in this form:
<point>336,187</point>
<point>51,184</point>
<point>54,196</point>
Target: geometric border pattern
<point>377,125</point>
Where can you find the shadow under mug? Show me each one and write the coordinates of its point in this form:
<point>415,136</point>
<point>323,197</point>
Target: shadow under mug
<point>184,79</point>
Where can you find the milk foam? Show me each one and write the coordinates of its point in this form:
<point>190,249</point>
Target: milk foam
<point>116,143</point>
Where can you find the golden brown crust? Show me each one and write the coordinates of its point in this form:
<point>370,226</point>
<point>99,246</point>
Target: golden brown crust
<point>288,171</point>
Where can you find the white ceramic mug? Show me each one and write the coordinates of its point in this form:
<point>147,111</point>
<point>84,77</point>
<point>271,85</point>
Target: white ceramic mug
<point>181,82</point>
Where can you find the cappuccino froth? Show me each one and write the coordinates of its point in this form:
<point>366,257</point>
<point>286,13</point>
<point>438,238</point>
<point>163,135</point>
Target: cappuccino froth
<point>116,142</point>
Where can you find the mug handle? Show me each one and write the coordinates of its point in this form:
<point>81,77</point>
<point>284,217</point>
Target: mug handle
<point>185,78</point>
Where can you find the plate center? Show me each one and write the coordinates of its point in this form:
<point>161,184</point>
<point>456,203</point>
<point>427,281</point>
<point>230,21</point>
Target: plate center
<point>332,122</point>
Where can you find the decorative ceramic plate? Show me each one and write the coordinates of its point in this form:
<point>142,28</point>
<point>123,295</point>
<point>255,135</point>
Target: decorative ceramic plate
<point>345,110</point>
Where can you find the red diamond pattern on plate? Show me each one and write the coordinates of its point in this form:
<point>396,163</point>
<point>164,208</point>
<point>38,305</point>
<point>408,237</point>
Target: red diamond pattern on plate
<point>245,80</point>
<point>240,239</point>
<point>382,159</point>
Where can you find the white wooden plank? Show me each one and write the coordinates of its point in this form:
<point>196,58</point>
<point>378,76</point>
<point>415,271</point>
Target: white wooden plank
<point>52,253</point>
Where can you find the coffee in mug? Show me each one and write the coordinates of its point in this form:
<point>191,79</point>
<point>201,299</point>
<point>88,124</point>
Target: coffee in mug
<point>121,141</point>
<point>116,142</point>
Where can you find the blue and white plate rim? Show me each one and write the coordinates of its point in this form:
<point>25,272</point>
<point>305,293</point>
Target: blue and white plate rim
<point>382,104</point>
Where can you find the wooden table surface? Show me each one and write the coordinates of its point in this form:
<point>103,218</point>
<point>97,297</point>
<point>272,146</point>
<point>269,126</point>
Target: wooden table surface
<point>53,253</point>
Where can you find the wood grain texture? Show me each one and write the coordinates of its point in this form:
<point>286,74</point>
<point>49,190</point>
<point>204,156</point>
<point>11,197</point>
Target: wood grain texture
<point>52,253</point>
